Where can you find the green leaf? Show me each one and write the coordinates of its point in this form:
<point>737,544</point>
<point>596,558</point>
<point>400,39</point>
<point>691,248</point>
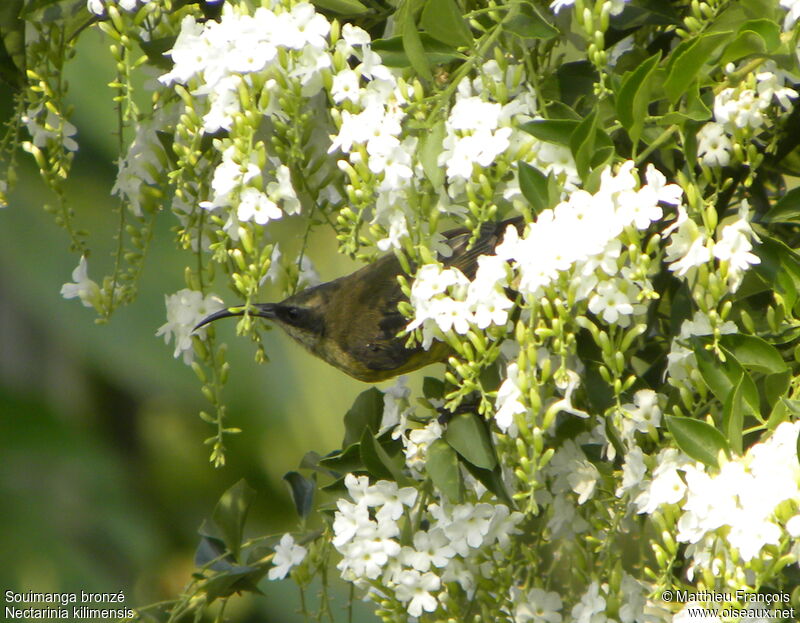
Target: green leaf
<point>633,98</point>
<point>429,150</point>
<point>779,266</point>
<point>432,388</point>
<point>775,386</point>
<point>556,131</point>
<point>230,514</point>
<point>365,413</point>
<point>697,439</point>
<point>576,81</point>
<point>412,43</point>
<point>467,434</point>
<point>689,60</point>
<point>529,24</point>
<point>754,353</point>
<point>344,461</point>
<point>378,462</point>
<point>786,209</point>
<point>534,186</point>
<point>582,143</point>
<point>733,418</point>
<point>722,378</point>
<point>778,414</point>
<point>393,53</point>
<point>746,43</point>
<point>342,7</point>
<point>442,20</point>
<point>492,479</point>
<point>443,469</point>
<point>302,490</point>
<point>12,44</point>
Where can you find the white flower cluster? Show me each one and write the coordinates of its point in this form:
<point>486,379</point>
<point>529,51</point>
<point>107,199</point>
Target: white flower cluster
<point>454,547</point>
<point>690,246</point>
<point>576,244</point>
<point>263,53</point>
<point>484,124</point>
<point>742,108</point>
<point>743,502</point>
<point>185,309</point>
<point>144,160</point>
<point>369,115</point>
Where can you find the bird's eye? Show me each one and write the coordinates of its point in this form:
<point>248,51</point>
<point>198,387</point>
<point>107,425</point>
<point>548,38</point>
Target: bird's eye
<point>293,314</point>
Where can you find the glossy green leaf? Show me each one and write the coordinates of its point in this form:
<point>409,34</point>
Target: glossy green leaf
<point>733,418</point>
<point>344,461</point>
<point>528,23</point>
<point>393,52</point>
<point>443,469</point>
<point>429,150</point>
<point>775,386</point>
<point>378,462</point>
<point>412,42</point>
<point>365,413</point>
<point>342,7</point>
<point>302,490</point>
<point>747,43</point>
<point>633,97</point>
<point>432,388</point>
<point>467,434</point>
<point>230,514</point>
<point>786,209</point>
<point>779,266</point>
<point>534,186</point>
<point>373,461</point>
<point>443,20</point>
<point>556,131</point>
<point>754,353</point>
<point>698,439</point>
<point>723,377</point>
<point>688,62</point>
<point>778,414</point>
<point>582,144</point>
<point>492,479</point>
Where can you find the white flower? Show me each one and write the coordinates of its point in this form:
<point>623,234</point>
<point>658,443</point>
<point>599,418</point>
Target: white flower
<point>287,555</point>
<point>350,520</point>
<point>256,206</point>
<point>185,309</point>
<point>431,548</point>
<point>536,606</point>
<point>793,13</point>
<point>52,128</point>
<point>592,606</point>
<point>713,145</point>
<point>83,288</point>
<point>345,86</point>
<point>734,247</point>
<point>415,588</point>
<point>509,400</point>
<point>612,303</point>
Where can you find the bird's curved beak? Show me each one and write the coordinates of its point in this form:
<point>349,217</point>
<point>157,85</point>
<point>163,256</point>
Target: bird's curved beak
<point>262,310</point>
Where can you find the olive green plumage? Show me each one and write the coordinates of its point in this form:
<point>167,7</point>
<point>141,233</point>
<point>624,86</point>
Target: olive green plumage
<point>353,322</point>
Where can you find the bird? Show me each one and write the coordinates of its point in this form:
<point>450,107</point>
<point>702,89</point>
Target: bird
<point>353,322</point>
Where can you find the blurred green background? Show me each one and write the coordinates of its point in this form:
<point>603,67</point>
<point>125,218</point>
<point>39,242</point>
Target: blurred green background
<point>104,478</point>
